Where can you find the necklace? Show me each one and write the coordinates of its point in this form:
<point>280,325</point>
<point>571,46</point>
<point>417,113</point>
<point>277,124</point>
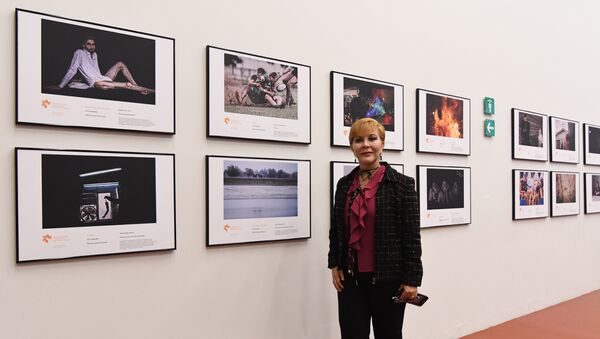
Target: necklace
<point>365,175</point>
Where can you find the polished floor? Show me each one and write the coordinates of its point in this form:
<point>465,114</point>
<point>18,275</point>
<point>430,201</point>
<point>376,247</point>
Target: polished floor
<point>577,318</point>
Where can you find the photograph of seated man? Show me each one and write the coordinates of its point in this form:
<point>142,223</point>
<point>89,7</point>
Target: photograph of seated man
<point>85,62</point>
<point>80,61</point>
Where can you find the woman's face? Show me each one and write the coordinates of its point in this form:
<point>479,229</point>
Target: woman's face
<point>367,147</point>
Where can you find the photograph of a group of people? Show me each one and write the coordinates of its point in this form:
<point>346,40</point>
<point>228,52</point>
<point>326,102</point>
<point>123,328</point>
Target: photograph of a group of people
<point>531,188</point>
<point>364,99</point>
<point>564,135</point>
<point>97,190</point>
<point>258,87</point>
<point>82,61</point>
<point>444,116</point>
<point>259,189</point>
<point>565,188</point>
<point>445,188</point>
<point>531,130</point>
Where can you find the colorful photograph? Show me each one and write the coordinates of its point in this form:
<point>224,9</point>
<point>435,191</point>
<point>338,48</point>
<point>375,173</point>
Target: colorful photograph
<point>444,116</point>
<point>564,134</point>
<point>87,62</point>
<point>565,188</point>
<point>259,189</point>
<point>531,188</point>
<point>531,131</point>
<point>445,188</point>
<point>364,99</point>
<point>258,87</point>
<point>97,191</point>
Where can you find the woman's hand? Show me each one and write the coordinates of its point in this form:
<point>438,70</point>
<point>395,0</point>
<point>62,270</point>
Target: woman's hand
<point>410,292</point>
<point>337,276</point>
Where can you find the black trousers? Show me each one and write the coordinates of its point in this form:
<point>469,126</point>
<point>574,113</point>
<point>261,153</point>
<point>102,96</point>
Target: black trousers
<point>361,300</point>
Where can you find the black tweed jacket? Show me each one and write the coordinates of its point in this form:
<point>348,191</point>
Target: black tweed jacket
<point>397,229</point>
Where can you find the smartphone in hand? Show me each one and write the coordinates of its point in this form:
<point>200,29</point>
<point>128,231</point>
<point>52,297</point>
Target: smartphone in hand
<point>419,300</point>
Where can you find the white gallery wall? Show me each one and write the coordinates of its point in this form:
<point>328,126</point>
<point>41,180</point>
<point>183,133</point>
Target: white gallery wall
<point>535,55</point>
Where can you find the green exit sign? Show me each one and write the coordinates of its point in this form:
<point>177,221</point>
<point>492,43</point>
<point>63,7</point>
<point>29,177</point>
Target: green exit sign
<point>489,128</point>
<point>489,106</point>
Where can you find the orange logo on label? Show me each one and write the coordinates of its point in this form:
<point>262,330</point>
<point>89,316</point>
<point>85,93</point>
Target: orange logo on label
<point>226,227</point>
<point>46,238</point>
<point>227,120</point>
<point>45,103</point>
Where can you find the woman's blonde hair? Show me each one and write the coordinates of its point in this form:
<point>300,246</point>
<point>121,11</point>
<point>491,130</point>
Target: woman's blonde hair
<point>363,124</point>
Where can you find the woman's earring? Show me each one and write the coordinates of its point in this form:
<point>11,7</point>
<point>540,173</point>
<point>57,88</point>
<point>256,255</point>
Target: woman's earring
<point>355,160</point>
<point>380,156</point>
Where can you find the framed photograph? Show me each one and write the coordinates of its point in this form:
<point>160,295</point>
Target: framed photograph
<point>81,74</point>
<point>444,195</point>
<point>83,203</point>
<point>256,199</point>
<point>443,123</point>
<point>530,196</point>
<point>354,97</point>
<point>591,188</point>
<point>340,169</point>
<point>565,193</point>
<point>564,139</point>
<point>591,144</point>
<point>255,97</point>
<point>528,135</point>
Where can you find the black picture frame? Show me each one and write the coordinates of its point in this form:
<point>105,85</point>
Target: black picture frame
<point>436,135</point>
<point>268,200</point>
<point>563,140</point>
<point>565,193</point>
<point>80,203</point>
<point>122,103</point>
<point>228,117</point>
<point>525,205</point>
<point>591,192</point>
<point>448,205</point>
<point>384,102</point>
<point>591,144</point>
<point>526,146</point>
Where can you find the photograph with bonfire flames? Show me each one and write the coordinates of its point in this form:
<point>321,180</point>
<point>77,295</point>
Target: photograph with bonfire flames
<point>354,97</point>
<point>444,123</point>
<point>444,116</point>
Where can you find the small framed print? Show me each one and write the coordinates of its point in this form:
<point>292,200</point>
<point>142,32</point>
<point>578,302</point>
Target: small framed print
<point>84,203</point>
<point>444,195</point>
<point>530,196</point>
<point>354,97</point>
<point>564,140</point>
<point>443,123</point>
<point>256,199</point>
<point>591,144</point>
<point>529,139</point>
<point>81,74</point>
<point>256,97</point>
<point>340,169</point>
<point>591,188</point>
<point>565,194</point>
